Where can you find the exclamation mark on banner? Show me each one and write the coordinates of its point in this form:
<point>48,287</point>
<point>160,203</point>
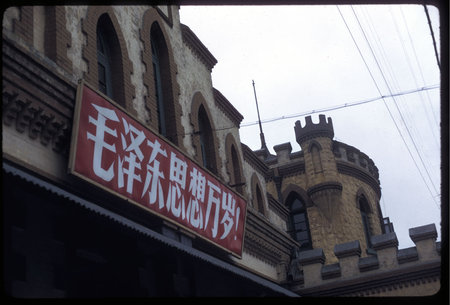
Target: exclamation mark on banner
<point>237,221</point>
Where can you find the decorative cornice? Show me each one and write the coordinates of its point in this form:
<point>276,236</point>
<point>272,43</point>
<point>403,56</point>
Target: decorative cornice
<point>292,169</point>
<point>192,41</point>
<point>325,186</point>
<point>253,160</point>
<point>36,99</point>
<point>268,234</point>
<point>355,157</point>
<point>277,207</point>
<point>227,108</point>
<point>351,170</point>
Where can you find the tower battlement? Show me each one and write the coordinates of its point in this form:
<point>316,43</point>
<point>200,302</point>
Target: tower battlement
<point>357,276</point>
<point>322,129</point>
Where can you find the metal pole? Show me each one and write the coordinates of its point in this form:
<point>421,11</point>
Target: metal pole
<point>261,134</point>
<point>432,35</point>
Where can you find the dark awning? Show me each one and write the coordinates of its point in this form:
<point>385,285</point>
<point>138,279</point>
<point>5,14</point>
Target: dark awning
<point>150,233</point>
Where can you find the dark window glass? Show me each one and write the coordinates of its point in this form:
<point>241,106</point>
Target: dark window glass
<point>299,223</point>
<point>365,210</point>
<point>158,88</point>
<point>104,63</point>
<point>206,141</point>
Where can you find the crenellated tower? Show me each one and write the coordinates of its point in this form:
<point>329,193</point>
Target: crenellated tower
<point>337,184</point>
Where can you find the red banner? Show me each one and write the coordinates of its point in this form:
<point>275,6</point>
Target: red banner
<point>118,153</point>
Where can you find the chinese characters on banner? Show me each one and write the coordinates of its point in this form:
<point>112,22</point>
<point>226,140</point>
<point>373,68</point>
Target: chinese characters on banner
<point>118,153</point>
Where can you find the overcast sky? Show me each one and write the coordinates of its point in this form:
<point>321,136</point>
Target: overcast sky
<point>304,59</point>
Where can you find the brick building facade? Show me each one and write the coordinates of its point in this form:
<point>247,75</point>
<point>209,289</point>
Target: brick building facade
<point>313,223</point>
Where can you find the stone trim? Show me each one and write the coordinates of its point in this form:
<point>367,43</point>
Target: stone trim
<point>251,158</point>
<point>278,208</point>
<point>347,249</point>
<point>125,90</point>
<point>284,146</point>
<point>368,263</point>
<point>331,271</point>
<point>35,99</point>
<point>407,255</point>
<point>293,188</point>
<point>313,256</point>
<point>260,232</point>
<point>352,154</point>
<point>292,169</point>
<point>192,42</point>
<point>384,241</point>
<point>227,108</point>
<point>325,186</point>
<point>351,170</point>
<point>424,232</point>
<point>171,88</point>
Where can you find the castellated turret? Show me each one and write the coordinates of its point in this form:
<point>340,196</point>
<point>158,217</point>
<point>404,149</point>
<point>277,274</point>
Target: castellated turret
<point>337,183</point>
<point>323,129</point>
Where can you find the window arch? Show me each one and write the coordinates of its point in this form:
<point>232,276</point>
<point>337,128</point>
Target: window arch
<point>365,211</point>
<point>206,140</point>
<point>234,165</point>
<point>203,137</point>
<point>257,195</point>
<point>110,80</point>
<point>160,81</point>
<point>165,112</point>
<point>315,149</point>
<point>104,61</point>
<point>299,225</point>
<point>101,20</point>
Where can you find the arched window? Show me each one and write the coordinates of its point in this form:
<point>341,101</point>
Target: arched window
<point>236,169</point>
<point>158,87</point>
<point>315,154</point>
<point>259,200</point>
<point>365,211</point>
<point>206,140</point>
<point>104,62</point>
<point>109,61</point>
<point>299,222</point>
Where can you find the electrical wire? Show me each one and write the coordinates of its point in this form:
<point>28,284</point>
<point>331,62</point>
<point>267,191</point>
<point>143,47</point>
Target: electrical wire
<point>396,105</point>
<point>337,107</point>
<point>418,65</point>
<point>368,69</point>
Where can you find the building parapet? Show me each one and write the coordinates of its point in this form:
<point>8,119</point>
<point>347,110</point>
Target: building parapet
<point>424,258</point>
<point>351,155</point>
<point>198,47</point>
<point>232,113</point>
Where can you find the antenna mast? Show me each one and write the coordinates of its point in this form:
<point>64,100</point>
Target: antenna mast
<point>261,134</point>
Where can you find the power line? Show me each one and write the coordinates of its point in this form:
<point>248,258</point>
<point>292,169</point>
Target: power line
<point>418,65</point>
<point>379,91</point>
<point>401,116</point>
<point>337,107</point>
